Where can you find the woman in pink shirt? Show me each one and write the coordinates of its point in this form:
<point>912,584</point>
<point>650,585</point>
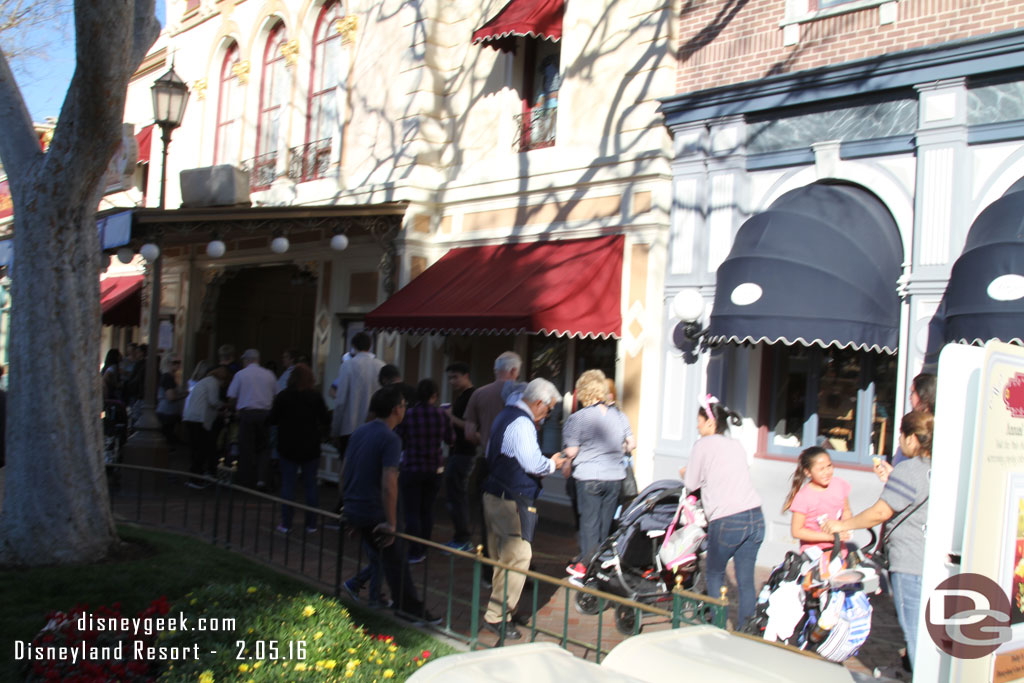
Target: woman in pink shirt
<point>823,497</point>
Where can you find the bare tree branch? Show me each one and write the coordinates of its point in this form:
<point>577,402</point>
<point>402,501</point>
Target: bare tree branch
<point>19,147</point>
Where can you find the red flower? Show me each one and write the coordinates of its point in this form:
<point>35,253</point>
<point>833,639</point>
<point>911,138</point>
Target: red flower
<point>425,654</point>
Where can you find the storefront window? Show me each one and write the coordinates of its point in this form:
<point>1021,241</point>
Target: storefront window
<point>838,399</point>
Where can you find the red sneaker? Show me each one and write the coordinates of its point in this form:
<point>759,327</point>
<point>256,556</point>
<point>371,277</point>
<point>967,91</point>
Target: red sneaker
<point>577,570</point>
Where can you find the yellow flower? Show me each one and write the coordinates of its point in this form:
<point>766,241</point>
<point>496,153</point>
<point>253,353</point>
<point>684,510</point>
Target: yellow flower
<point>318,635</point>
<point>243,667</point>
<point>206,677</point>
<point>257,665</point>
<point>419,662</point>
<point>251,589</point>
<point>352,650</point>
<point>330,664</point>
<point>392,648</point>
<point>301,666</point>
<point>308,611</point>
<point>389,673</point>
<point>350,673</point>
<point>193,601</point>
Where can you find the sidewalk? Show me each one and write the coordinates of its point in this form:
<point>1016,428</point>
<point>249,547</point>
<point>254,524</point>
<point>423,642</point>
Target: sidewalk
<point>169,505</point>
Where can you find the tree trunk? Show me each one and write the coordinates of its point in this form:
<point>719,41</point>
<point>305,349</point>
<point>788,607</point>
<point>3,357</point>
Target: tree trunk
<point>55,506</point>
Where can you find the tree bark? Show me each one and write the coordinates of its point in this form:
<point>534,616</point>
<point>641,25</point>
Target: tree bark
<point>55,506</point>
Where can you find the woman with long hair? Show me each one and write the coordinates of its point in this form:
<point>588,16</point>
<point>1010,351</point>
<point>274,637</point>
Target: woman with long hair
<point>301,417</point>
<point>718,467</point>
<point>904,500</point>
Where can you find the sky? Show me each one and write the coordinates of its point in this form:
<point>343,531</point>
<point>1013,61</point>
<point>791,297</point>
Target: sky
<point>43,81</point>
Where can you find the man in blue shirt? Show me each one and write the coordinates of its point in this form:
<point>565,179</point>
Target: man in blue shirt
<point>510,492</point>
<point>370,477</point>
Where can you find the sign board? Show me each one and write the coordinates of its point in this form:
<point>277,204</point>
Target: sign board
<point>971,625</point>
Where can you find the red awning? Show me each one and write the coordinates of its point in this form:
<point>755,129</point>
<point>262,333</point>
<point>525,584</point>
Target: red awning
<point>522,18</point>
<point>145,139</point>
<point>121,300</point>
<point>562,287</point>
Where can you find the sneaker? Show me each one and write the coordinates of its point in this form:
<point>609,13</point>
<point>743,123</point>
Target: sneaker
<point>416,559</point>
<point>431,619</point>
<point>198,484</point>
<point>419,619</point>
<point>511,632</point>
<point>311,529</point>
<point>282,529</point>
<point>464,546</point>
<point>351,589</point>
<point>577,570</point>
<point>379,603</point>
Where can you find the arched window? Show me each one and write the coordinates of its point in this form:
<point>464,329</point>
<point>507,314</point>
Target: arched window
<point>273,96</point>
<point>229,111</point>
<point>327,73</point>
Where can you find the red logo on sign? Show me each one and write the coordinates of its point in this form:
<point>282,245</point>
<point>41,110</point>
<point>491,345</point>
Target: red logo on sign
<point>1013,395</point>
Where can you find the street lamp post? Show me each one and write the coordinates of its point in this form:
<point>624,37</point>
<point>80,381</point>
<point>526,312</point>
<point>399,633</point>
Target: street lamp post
<point>170,95</point>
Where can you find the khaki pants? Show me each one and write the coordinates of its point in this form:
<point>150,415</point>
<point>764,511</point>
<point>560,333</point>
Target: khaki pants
<point>506,545</point>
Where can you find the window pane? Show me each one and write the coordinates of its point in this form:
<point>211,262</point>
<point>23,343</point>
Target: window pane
<point>839,381</point>
<point>594,354</point>
<point>547,359</point>
<point>789,396</point>
<point>883,412</point>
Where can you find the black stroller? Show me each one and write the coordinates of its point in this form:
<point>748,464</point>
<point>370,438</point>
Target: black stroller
<point>633,563</point>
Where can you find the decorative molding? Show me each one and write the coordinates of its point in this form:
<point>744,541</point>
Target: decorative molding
<point>348,26</point>
<point>241,71</point>
<point>199,88</point>
<point>936,213</point>
<point>290,51</point>
<point>720,219</point>
<point>684,225</point>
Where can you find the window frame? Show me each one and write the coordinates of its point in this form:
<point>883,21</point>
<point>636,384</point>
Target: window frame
<point>227,85</point>
<point>272,60</point>
<point>531,50</point>
<point>322,36</point>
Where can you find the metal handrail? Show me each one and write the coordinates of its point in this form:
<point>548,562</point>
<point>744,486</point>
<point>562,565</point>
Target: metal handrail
<point>233,507</point>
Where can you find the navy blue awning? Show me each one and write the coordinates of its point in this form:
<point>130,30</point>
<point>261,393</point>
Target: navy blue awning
<point>985,295</point>
<point>819,267</point>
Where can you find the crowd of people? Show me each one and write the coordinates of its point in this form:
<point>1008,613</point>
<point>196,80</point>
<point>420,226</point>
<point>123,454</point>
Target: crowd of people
<point>392,437</point>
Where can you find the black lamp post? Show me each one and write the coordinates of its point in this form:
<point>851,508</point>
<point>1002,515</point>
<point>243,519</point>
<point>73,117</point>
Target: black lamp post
<point>170,95</point>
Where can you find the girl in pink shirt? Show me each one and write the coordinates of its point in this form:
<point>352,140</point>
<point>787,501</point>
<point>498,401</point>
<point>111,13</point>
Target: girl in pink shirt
<point>821,498</point>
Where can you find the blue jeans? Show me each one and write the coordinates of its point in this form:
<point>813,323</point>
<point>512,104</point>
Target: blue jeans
<point>739,537</point>
<point>418,491</point>
<point>906,597</point>
<point>456,479</point>
<point>371,573</point>
<point>597,501</point>
<point>289,473</point>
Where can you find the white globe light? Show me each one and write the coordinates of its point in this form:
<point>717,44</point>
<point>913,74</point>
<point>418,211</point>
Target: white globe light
<point>279,245</point>
<point>216,249</point>
<point>125,255</point>
<point>339,242</point>
<point>150,251</point>
<point>688,305</point>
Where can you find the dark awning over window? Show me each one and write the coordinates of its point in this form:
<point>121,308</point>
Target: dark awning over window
<point>562,287</point>
<point>121,300</point>
<point>820,266</point>
<point>985,295</point>
<point>522,18</point>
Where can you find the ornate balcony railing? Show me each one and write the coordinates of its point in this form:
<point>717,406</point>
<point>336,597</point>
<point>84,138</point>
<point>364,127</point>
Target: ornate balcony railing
<point>262,170</point>
<point>309,161</point>
<point>535,128</point>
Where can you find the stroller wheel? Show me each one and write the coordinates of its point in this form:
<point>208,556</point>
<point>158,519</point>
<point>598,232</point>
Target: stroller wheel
<point>586,603</point>
<point>626,620</point>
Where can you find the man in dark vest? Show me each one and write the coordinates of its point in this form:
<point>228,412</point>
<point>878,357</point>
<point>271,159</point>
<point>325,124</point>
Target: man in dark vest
<point>516,466</point>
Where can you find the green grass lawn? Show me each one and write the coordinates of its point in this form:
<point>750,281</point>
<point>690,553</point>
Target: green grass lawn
<point>199,579</point>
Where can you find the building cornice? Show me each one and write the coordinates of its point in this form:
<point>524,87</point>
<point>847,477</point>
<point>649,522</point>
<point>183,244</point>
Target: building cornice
<point>901,70</point>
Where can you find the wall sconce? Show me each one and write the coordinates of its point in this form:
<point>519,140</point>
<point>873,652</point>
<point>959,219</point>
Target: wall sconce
<point>689,307</point>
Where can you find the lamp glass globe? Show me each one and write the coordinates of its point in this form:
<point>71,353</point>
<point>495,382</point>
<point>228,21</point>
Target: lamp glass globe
<point>339,242</point>
<point>150,251</point>
<point>279,245</point>
<point>688,305</point>
<point>215,248</point>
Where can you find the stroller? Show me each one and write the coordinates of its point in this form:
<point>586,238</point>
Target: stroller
<point>657,538</point>
<point>818,602</point>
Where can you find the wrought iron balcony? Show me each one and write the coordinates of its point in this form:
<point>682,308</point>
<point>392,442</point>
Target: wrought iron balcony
<point>535,128</point>
<point>310,161</point>
<point>262,170</point>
